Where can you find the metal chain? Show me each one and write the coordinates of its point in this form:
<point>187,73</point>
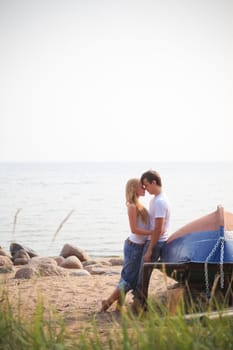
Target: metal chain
<point>221,263</point>
<point>219,241</point>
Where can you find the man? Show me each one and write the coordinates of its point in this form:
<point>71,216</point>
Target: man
<point>159,211</point>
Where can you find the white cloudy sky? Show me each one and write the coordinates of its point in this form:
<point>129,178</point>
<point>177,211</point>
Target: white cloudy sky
<point>116,80</point>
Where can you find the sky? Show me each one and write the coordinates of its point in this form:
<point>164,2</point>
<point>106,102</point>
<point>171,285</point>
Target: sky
<point>84,80</point>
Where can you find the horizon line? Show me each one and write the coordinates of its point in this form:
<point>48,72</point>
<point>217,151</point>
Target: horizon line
<point>113,161</point>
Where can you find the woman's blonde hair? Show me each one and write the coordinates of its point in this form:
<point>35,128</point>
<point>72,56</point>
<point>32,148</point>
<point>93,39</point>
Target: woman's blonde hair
<point>132,198</point>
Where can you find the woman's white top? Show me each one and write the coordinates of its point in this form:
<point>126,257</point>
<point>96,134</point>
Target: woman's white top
<point>139,239</point>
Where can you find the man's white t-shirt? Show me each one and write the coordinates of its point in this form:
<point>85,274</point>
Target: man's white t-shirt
<point>160,208</point>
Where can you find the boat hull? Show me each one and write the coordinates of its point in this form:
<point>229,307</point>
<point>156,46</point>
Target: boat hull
<point>201,252</point>
<point>196,247</point>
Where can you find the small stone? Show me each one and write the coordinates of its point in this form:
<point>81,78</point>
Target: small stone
<point>89,262</point>
<point>97,271</point>
<point>89,268</point>
<point>79,273</point>
<point>69,250</point>
<point>112,272</point>
<point>72,262</point>
<point>105,262</point>
<point>116,261</point>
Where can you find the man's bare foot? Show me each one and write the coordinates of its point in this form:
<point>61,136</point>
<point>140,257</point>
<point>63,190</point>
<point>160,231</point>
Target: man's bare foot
<point>120,304</point>
<point>138,306</point>
<point>104,305</point>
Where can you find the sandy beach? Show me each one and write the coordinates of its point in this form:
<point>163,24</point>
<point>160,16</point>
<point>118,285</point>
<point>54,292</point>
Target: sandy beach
<point>77,299</point>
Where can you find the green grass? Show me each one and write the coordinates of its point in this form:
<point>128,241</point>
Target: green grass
<point>19,333</point>
<point>153,330</point>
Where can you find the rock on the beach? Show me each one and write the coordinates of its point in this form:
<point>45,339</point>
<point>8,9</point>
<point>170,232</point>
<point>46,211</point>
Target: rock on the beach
<point>79,273</point>
<point>46,267</point>
<point>25,273</point>
<point>69,250</point>
<point>42,261</point>
<point>21,253</point>
<point>112,272</point>
<point>72,262</point>
<point>94,262</point>
<point>14,247</point>
<point>59,259</point>
<point>20,261</point>
<point>105,263</point>
<point>5,260</point>
<point>101,269</point>
<point>6,264</point>
<point>96,269</point>
<point>50,270</point>
<point>21,257</point>
<point>89,262</point>
<point>116,261</point>
<point>2,252</point>
<point>40,270</point>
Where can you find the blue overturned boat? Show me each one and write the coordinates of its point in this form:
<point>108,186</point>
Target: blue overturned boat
<point>201,253</point>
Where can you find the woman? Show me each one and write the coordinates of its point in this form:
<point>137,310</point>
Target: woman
<point>133,247</point>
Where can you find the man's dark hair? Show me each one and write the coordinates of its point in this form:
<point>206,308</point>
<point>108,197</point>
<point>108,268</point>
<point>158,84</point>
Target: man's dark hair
<point>150,176</point>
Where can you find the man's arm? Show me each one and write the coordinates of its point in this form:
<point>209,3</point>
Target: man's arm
<point>159,229</point>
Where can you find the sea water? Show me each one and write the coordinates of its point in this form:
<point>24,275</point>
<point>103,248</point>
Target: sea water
<point>84,203</point>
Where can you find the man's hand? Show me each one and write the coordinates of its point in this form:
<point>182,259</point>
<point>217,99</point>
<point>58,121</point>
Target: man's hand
<point>147,256</point>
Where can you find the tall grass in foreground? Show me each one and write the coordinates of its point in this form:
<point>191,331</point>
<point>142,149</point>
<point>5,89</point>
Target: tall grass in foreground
<point>19,333</point>
<point>155,330</point>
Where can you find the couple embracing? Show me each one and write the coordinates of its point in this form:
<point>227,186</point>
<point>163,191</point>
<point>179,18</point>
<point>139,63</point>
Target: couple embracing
<point>149,231</point>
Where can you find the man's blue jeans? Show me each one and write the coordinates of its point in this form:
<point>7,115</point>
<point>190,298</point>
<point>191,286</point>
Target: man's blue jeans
<point>156,252</point>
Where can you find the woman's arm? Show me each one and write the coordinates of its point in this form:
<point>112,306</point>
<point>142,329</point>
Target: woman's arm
<point>132,214</point>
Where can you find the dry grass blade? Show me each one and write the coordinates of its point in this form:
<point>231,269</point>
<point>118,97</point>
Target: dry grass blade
<point>61,225</point>
<point>15,221</point>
